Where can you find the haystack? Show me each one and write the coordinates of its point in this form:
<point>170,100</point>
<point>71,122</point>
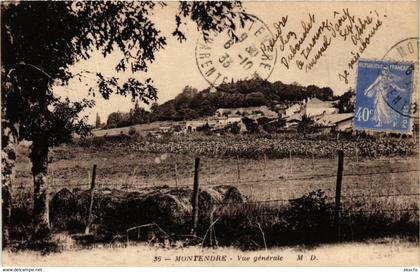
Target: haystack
<point>101,197</point>
<point>230,193</point>
<point>63,209</point>
<point>208,199</point>
<point>106,210</point>
<point>132,209</point>
<point>169,209</point>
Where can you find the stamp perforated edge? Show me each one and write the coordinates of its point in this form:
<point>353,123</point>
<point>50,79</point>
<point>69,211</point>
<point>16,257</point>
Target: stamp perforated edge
<point>414,87</point>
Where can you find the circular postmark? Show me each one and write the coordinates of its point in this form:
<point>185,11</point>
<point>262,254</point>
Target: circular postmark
<point>405,51</point>
<point>226,57</point>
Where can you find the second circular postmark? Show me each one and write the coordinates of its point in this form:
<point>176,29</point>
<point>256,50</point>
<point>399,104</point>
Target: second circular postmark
<point>406,50</point>
<point>224,58</point>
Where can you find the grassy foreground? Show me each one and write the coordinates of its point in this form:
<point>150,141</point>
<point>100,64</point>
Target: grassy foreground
<point>379,194</point>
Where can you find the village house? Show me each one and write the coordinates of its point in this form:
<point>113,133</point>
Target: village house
<point>215,123</point>
<point>255,112</point>
<point>223,121</point>
<point>192,125</point>
<point>280,109</point>
<point>293,109</point>
<point>345,125</point>
<point>292,122</point>
<point>315,107</point>
<point>165,129</point>
<point>339,122</point>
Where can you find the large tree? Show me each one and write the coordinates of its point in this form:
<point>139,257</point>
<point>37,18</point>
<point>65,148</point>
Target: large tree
<point>42,40</point>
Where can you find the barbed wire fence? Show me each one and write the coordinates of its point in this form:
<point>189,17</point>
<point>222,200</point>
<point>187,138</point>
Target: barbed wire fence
<point>287,175</point>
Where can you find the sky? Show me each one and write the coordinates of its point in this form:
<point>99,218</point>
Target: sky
<point>175,66</point>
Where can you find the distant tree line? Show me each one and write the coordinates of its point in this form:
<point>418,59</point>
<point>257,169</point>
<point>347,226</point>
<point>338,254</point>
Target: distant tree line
<point>137,115</point>
<point>191,104</point>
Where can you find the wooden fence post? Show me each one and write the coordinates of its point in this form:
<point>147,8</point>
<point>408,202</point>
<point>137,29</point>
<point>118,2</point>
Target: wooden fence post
<point>195,195</point>
<point>265,164</point>
<point>357,154</point>
<point>338,192</point>
<point>92,190</point>
<point>313,160</point>
<point>176,175</point>
<point>237,167</point>
<point>290,160</point>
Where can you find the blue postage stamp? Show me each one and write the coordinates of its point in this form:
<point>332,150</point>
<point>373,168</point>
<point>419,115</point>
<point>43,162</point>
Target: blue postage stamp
<point>383,96</point>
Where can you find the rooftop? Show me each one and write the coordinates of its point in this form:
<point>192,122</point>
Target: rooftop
<point>332,119</point>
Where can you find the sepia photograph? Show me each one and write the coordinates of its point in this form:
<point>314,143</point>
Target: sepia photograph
<point>207,133</point>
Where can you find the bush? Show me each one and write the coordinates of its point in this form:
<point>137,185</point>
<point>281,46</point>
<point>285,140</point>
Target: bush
<point>234,128</point>
<point>305,220</point>
<point>302,221</point>
<point>132,131</point>
<point>310,217</point>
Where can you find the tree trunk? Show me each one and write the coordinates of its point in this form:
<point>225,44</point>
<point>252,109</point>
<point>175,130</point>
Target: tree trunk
<point>39,158</point>
<point>8,156</point>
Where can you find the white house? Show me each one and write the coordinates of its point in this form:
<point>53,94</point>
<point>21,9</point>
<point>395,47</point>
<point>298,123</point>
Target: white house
<point>222,122</point>
<point>262,111</point>
<point>295,108</point>
<point>215,123</point>
<point>293,120</point>
<point>315,107</point>
<point>345,125</point>
<point>233,119</point>
<point>342,122</point>
<point>218,122</point>
<point>191,126</point>
<point>165,129</point>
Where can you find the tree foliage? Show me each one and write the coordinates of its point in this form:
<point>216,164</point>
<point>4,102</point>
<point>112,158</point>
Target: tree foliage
<point>42,40</point>
<point>207,17</point>
<point>190,104</point>
<point>346,101</point>
<point>136,115</point>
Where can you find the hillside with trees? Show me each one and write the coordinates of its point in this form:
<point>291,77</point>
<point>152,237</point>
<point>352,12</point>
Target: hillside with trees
<point>191,104</point>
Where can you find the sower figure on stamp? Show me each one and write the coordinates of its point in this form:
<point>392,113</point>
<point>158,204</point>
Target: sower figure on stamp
<point>384,84</point>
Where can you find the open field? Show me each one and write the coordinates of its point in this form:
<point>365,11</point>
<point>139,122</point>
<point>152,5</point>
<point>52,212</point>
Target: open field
<point>392,180</point>
<point>141,128</point>
<point>290,198</point>
<point>255,146</point>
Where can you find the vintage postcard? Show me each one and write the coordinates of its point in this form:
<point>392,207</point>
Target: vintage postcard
<point>249,133</point>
